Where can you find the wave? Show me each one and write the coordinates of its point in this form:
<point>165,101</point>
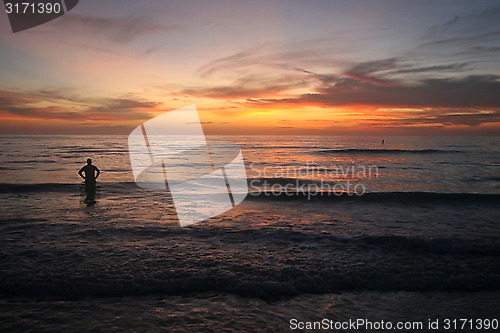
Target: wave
<point>433,245</point>
<point>290,284</point>
<point>386,151</point>
<point>311,191</point>
<point>62,187</point>
<point>102,151</point>
<point>250,147</point>
<point>47,187</point>
<point>375,263</point>
<point>402,197</point>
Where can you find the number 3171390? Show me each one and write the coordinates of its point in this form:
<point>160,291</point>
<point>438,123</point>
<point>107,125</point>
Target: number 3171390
<point>33,8</point>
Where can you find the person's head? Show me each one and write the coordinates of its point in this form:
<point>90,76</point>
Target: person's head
<point>89,161</point>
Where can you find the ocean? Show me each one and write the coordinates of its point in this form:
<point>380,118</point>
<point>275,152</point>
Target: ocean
<point>341,228</point>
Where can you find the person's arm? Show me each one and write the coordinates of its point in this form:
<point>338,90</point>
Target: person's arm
<point>81,173</point>
<point>98,172</point>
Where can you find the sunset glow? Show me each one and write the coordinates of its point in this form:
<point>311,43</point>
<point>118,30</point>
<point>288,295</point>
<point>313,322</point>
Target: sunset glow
<point>285,67</point>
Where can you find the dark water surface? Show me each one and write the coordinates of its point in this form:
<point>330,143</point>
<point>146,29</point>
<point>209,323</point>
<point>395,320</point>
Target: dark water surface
<point>422,244</point>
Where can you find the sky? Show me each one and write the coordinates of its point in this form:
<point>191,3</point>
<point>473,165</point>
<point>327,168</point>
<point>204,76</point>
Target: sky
<point>257,67</point>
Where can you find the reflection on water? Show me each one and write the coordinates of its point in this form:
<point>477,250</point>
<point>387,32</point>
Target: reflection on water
<point>384,256</point>
<point>440,164</point>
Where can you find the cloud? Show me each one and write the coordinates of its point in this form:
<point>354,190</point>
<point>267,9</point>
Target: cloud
<point>371,83</point>
<point>469,118</point>
<point>380,71</point>
<point>288,56</point>
<point>201,122</point>
<point>256,85</point>
<point>470,29</point>
<point>118,29</point>
<point>456,67</point>
<point>447,117</point>
<point>461,40</point>
<point>54,105</point>
<point>479,91</point>
<point>237,92</point>
<point>268,71</point>
<point>364,71</point>
<point>476,22</point>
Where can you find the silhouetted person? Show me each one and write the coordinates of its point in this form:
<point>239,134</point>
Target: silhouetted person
<point>91,173</point>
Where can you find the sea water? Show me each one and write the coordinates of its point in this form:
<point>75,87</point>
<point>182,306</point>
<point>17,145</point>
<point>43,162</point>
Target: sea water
<point>421,242</point>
